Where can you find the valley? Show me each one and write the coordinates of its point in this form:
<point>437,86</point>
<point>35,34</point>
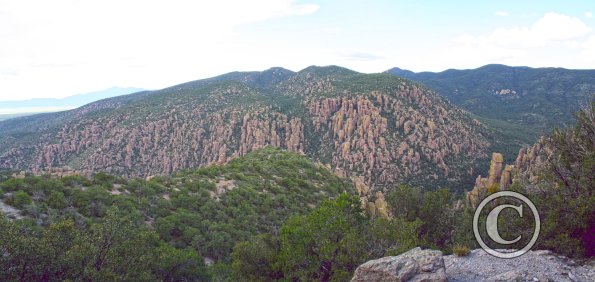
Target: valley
<point>297,140</point>
<point>275,175</point>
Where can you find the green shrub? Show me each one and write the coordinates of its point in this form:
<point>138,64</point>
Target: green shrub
<point>103,178</point>
<point>493,188</point>
<point>21,198</point>
<point>460,250</point>
<point>256,259</point>
<point>56,200</point>
<point>76,180</point>
<point>13,184</point>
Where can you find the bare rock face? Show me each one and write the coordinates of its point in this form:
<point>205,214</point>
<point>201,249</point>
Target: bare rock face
<point>414,265</point>
<point>383,137</point>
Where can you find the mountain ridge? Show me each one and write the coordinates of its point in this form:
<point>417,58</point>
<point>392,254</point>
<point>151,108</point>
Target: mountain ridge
<point>536,98</point>
<point>377,126</point>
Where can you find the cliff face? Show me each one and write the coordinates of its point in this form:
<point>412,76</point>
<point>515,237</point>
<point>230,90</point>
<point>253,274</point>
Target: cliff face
<point>377,127</point>
<point>384,138</point>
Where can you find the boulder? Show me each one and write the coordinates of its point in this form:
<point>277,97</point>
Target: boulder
<point>414,265</point>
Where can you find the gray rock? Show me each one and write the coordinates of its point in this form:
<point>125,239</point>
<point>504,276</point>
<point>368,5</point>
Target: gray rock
<point>512,275</point>
<point>428,265</point>
<point>532,266</point>
<point>414,265</point>
<point>9,211</point>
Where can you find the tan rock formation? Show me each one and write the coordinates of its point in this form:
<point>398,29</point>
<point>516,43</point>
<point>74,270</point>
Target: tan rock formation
<point>20,175</point>
<point>376,208</point>
<point>478,192</point>
<point>506,177</point>
<point>529,164</point>
<point>495,169</point>
<point>381,206</point>
<point>494,179</point>
<point>358,128</point>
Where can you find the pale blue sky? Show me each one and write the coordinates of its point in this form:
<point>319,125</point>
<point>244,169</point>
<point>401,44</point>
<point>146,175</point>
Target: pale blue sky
<point>65,47</point>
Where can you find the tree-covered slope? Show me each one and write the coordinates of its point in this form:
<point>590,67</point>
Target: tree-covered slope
<point>207,210</point>
<point>376,126</point>
<point>528,101</point>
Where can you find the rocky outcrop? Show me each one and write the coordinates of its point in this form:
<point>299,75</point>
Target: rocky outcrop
<point>376,208</point>
<point>428,265</point>
<point>359,131</point>
<point>414,265</point>
<point>9,211</point>
<point>495,172</point>
<point>531,161</point>
<point>381,205</point>
<point>506,92</point>
<point>527,168</point>
<point>532,266</point>
<point>171,141</point>
<point>20,175</point>
<point>64,171</point>
<point>499,178</point>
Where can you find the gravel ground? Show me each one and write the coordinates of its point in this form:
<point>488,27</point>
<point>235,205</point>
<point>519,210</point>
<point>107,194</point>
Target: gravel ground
<point>532,266</point>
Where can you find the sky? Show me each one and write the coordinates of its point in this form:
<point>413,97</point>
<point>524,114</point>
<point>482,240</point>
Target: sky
<point>59,48</point>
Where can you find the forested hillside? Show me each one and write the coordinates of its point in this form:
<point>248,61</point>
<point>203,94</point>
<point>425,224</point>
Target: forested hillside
<point>165,226</point>
<point>519,102</point>
<point>376,126</point>
<point>267,216</point>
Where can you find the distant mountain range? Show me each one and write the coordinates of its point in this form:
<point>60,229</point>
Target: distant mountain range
<point>10,109</point>
<point>526,102</point>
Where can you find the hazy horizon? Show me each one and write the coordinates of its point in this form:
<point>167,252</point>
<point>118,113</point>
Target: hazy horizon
<point>17,106</point>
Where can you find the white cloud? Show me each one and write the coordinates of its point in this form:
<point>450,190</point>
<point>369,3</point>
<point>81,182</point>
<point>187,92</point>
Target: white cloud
<point>333,30</point>
<point>65,47</point>
<point>362,56</point>
<point>588,15</point>
<point>553,40</point>
<point>550,28</point>
<point>587,54</point>
<point>501,14</point>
